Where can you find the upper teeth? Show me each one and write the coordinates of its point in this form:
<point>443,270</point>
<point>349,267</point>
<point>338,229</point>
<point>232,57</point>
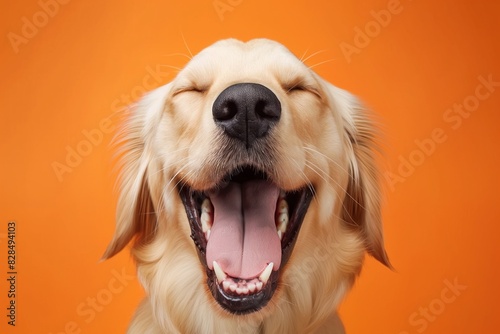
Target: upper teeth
<point>206,217</point>
<point>282,217</point>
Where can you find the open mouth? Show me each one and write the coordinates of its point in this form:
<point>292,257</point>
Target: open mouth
<point>244,230</point>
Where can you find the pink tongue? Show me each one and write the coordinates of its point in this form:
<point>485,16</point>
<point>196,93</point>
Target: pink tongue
<point>243,238</point>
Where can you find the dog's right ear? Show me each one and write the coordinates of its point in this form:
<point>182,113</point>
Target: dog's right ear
<point>136,211</point>
<point>136,216</point>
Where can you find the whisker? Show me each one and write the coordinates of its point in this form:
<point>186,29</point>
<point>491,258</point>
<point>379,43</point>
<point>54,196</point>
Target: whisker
<point>304,178</point>
<point>165,195</point>
<point>328,158</point>
<point>316,169</point>
<point>312,55</point>
<point>180,180</point>
<point>180,161</point>
<point>186,45</point>
<point>276,304</point>
<point>302,175</point>
<point>337,194</point>
<point>321,63</point>
<point>178,54</point>
<point>312,167</point>
<point>303,55</point>
<point>343,169</point>
<point>167,166</point>
<point>174,67</point>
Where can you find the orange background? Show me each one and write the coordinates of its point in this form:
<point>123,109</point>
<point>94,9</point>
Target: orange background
<point>442,224</point>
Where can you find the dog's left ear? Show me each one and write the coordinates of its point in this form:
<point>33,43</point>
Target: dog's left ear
<point>361,206</point>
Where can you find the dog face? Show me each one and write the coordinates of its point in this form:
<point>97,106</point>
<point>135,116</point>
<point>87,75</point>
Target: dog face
<point>267,168</point>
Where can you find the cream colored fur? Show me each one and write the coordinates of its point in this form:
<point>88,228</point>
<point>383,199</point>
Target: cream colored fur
<point>324,138</point>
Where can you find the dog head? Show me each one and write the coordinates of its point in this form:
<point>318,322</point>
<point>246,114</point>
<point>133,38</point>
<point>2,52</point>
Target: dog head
<point>268,168</point>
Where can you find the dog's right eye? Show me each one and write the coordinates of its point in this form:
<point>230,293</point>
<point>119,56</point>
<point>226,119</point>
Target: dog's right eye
<point>190,89</point>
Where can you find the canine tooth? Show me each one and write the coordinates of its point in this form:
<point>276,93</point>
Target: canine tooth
<point>283,217</point>
<point>206,206</point>
<point>266,273</point>
<point>283,222</point>
<point>225,285</point>
<point>221,275</point>
<point>283,206</point>
<point>258,286</point>
<point>282,194</point>
<point>206,222</point>
<point>207,234</point>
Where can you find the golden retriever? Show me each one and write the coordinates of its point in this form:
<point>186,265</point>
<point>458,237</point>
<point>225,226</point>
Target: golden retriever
<point>249,187</point>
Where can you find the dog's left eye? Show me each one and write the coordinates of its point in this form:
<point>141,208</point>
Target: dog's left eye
<point>299,88</point>
<point>296,88</point>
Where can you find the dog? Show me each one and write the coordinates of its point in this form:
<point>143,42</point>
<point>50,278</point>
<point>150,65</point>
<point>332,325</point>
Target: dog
<point>249,191</point>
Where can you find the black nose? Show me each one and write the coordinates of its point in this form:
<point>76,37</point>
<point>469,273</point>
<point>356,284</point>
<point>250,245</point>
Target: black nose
<point>246,111</point>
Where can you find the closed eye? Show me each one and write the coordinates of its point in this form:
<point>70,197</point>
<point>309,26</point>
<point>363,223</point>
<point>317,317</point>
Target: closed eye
<point>190,89</point>
<point>299,87</point>
<point>295,88</point>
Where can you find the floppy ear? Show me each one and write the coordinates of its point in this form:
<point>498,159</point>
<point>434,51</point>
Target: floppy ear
<point>136,215</point>
<point>136,212</point>
<point>361,206</point>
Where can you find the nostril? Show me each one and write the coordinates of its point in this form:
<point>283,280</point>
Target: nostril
<point>229,110</point>
<point>264,109</point>
<point>260,108</point>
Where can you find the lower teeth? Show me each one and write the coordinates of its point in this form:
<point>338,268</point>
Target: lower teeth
<point>242,287</point>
